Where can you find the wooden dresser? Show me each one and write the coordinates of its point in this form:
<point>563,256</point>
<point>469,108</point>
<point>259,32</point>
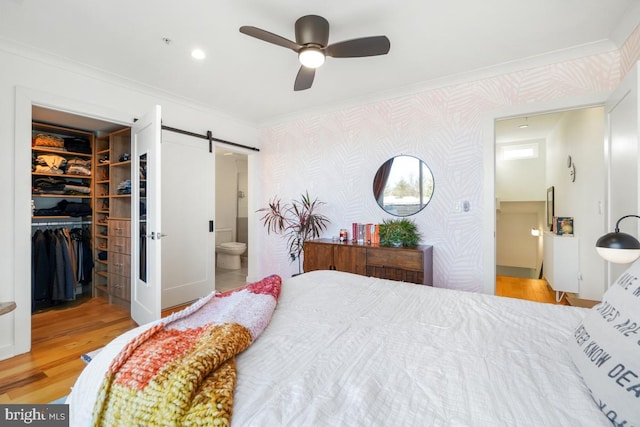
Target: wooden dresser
<point>414,264</point>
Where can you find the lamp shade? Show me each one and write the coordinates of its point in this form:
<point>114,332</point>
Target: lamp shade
<point>617,247</point>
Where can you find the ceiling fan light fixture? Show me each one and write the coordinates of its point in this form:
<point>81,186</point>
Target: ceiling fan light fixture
<point>312,46</point>
<point>311,57</point>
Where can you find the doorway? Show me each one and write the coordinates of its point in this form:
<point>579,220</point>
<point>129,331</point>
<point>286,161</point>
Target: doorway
<point>232,215</point>
<point>74,184</point>
<point>521,190</point>
<point>569,145</point>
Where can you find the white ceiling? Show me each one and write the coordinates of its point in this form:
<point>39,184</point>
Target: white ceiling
<point>526,128</point>
<point>432,43</point>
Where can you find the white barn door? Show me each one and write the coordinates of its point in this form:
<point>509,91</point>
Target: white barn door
<point>188,208</point>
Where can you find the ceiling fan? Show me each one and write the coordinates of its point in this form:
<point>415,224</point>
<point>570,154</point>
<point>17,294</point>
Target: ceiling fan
<point>312,37</point>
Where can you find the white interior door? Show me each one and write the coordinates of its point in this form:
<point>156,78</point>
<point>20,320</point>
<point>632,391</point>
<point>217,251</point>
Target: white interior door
<point>146,277</point>
<point>188,208</point>
<point>622,149</point>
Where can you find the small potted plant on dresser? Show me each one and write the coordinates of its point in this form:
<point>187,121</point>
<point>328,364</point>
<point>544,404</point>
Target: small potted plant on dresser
<point>399,232</point>
<point>298,221</point>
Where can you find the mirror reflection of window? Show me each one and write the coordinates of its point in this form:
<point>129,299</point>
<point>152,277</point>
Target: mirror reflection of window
<point>403,185</point>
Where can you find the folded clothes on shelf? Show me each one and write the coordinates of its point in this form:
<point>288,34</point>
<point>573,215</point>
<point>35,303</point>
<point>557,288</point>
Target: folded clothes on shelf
<point>65,208</point>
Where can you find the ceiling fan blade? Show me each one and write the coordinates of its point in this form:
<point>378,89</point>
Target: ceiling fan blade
<point>312,29</point>
<point>269,37</point>
<point>356,48</point>
<point>304,79</point>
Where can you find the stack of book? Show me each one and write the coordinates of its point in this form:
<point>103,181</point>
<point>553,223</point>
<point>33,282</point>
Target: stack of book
<point>365,234</point>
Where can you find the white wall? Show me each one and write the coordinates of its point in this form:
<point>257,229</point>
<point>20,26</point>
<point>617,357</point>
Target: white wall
<point>226,192</point>
<point>335,155</point>
<point>515,246</point>
<point>521,180</point>
<point>243,186</point>
<point>580,134</point>
<point>51,83</point>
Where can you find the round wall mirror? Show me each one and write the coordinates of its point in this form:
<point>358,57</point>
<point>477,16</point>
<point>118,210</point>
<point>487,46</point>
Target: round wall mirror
<point>403,185</point>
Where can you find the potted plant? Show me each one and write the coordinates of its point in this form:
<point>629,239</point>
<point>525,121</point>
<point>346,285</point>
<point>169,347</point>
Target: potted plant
<point>298,221</point>
<point>399,232</point>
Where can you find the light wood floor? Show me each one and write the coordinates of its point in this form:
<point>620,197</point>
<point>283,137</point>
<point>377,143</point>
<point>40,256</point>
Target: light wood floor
<point>58,338</point>
<point>61,336</point>
<point>528,289</point>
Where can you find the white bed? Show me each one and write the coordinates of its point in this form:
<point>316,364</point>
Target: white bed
<point>349,350</point>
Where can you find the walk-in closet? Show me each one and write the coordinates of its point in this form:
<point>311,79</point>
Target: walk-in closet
<point>81,209</point>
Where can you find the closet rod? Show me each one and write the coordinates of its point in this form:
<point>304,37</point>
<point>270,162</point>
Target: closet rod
<point>49,224</point>
<point>208,137</point>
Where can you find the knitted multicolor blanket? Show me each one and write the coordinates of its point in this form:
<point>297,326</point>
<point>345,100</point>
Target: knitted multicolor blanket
<point>182,370</point>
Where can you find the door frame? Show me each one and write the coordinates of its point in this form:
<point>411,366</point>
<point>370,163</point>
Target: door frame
<point>25,99</point>
<point>489,164</point>
<point>20,240</point>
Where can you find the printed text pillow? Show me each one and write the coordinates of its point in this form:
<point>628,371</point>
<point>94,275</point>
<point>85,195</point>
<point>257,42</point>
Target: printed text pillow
<point>606,350</point>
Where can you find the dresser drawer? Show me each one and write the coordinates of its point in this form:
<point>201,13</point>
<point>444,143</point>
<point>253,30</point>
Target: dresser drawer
<point>119,227</point>
<point>121,245</point>
<point>119,264</point>
<point>119,286</point>
<point>408,259</point>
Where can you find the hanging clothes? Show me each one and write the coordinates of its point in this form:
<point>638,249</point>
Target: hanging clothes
<point>60,261</point>
<point>81,242</point>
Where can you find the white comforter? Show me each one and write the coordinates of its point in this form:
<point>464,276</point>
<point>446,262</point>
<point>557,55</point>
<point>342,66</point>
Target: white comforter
<point>347,350</point>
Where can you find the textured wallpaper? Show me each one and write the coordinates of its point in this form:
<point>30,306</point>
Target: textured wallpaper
<point>335,156</point>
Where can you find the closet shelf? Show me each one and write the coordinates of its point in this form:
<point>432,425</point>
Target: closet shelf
<point>43,217</point>
<point>60,152</point>
<point>61,175</point>
<point>61,196</point>
<point>125,163</point>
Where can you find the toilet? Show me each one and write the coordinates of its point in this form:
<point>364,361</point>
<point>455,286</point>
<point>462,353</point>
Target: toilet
<point>228,252</point>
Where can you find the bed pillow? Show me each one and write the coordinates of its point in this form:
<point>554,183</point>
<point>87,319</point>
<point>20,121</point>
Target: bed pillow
<point>606,350</point>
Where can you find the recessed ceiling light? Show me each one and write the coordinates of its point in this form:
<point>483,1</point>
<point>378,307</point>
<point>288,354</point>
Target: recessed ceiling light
<point>198,53</point>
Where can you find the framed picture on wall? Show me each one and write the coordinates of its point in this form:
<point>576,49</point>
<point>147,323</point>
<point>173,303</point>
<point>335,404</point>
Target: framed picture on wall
<point>550,211</point>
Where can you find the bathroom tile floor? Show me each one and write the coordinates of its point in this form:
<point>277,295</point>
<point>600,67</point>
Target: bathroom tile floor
<point>231,279</point>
